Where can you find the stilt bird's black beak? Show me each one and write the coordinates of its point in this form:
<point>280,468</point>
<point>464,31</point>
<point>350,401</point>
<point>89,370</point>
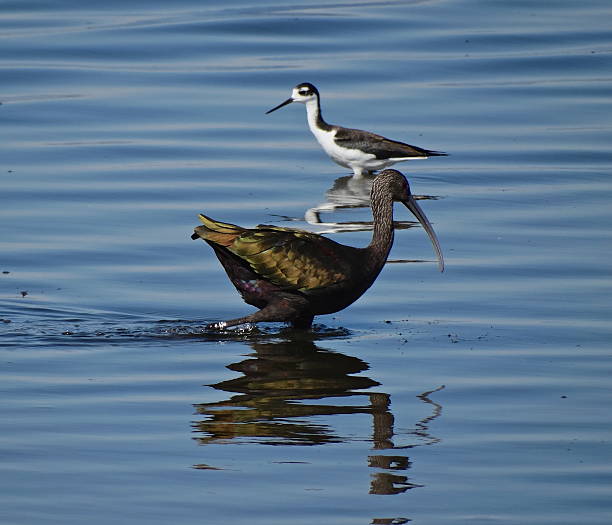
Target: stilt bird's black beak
<point>288,101</point>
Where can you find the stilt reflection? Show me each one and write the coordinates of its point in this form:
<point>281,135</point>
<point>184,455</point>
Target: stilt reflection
<point>347,193</point>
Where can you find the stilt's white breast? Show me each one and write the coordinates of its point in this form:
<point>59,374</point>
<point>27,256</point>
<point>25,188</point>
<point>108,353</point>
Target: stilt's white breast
<point>338,154</point>
<point>358,161</point>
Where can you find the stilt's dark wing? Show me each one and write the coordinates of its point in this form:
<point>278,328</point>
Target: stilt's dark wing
<point>380,146</point>
<point>291,259</point>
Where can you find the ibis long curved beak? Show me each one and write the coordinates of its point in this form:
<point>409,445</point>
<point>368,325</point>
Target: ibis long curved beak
<point>288,101</point>
<point>416,210</point>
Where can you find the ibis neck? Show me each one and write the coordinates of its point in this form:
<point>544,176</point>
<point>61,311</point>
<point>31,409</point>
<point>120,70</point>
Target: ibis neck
<point>382,236</point>
<point>315,120</point>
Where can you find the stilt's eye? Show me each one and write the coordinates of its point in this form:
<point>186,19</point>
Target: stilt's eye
<point>304,92</point>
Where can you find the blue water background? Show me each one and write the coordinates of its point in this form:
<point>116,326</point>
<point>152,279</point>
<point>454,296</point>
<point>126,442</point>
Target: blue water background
<point>120,122</point>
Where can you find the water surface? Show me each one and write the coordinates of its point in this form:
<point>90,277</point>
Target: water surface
<point>480,395</point>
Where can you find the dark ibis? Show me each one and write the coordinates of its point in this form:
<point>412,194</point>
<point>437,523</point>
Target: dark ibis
<point>292,275</point>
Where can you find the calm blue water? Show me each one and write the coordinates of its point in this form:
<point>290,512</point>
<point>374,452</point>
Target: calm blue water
<point>481,395</point>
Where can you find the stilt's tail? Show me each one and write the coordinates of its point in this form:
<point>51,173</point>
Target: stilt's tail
<point>433,153</point>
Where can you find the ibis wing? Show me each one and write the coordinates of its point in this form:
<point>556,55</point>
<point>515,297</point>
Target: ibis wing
<point>292,259</point>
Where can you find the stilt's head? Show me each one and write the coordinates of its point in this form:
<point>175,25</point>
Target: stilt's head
<point>394,183</point>
<point>303,93</point>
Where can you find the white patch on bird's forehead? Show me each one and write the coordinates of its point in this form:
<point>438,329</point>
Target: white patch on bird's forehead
<point>302,91</point>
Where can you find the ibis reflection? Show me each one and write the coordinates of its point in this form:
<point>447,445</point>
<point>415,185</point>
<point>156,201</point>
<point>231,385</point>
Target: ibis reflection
<point>275,395</point>
<point>284,385</point>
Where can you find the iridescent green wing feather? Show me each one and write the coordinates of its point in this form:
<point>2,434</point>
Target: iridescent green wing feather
<point>292,258</point>
<point>288,258</point>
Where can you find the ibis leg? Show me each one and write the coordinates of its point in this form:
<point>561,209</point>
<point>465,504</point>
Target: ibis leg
<point>283,307</point>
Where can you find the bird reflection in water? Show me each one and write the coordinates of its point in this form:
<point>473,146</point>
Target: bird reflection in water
<point>275,378</point>
<point>276,398</point>
<point>390,482</point>
<point>349,192</point>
